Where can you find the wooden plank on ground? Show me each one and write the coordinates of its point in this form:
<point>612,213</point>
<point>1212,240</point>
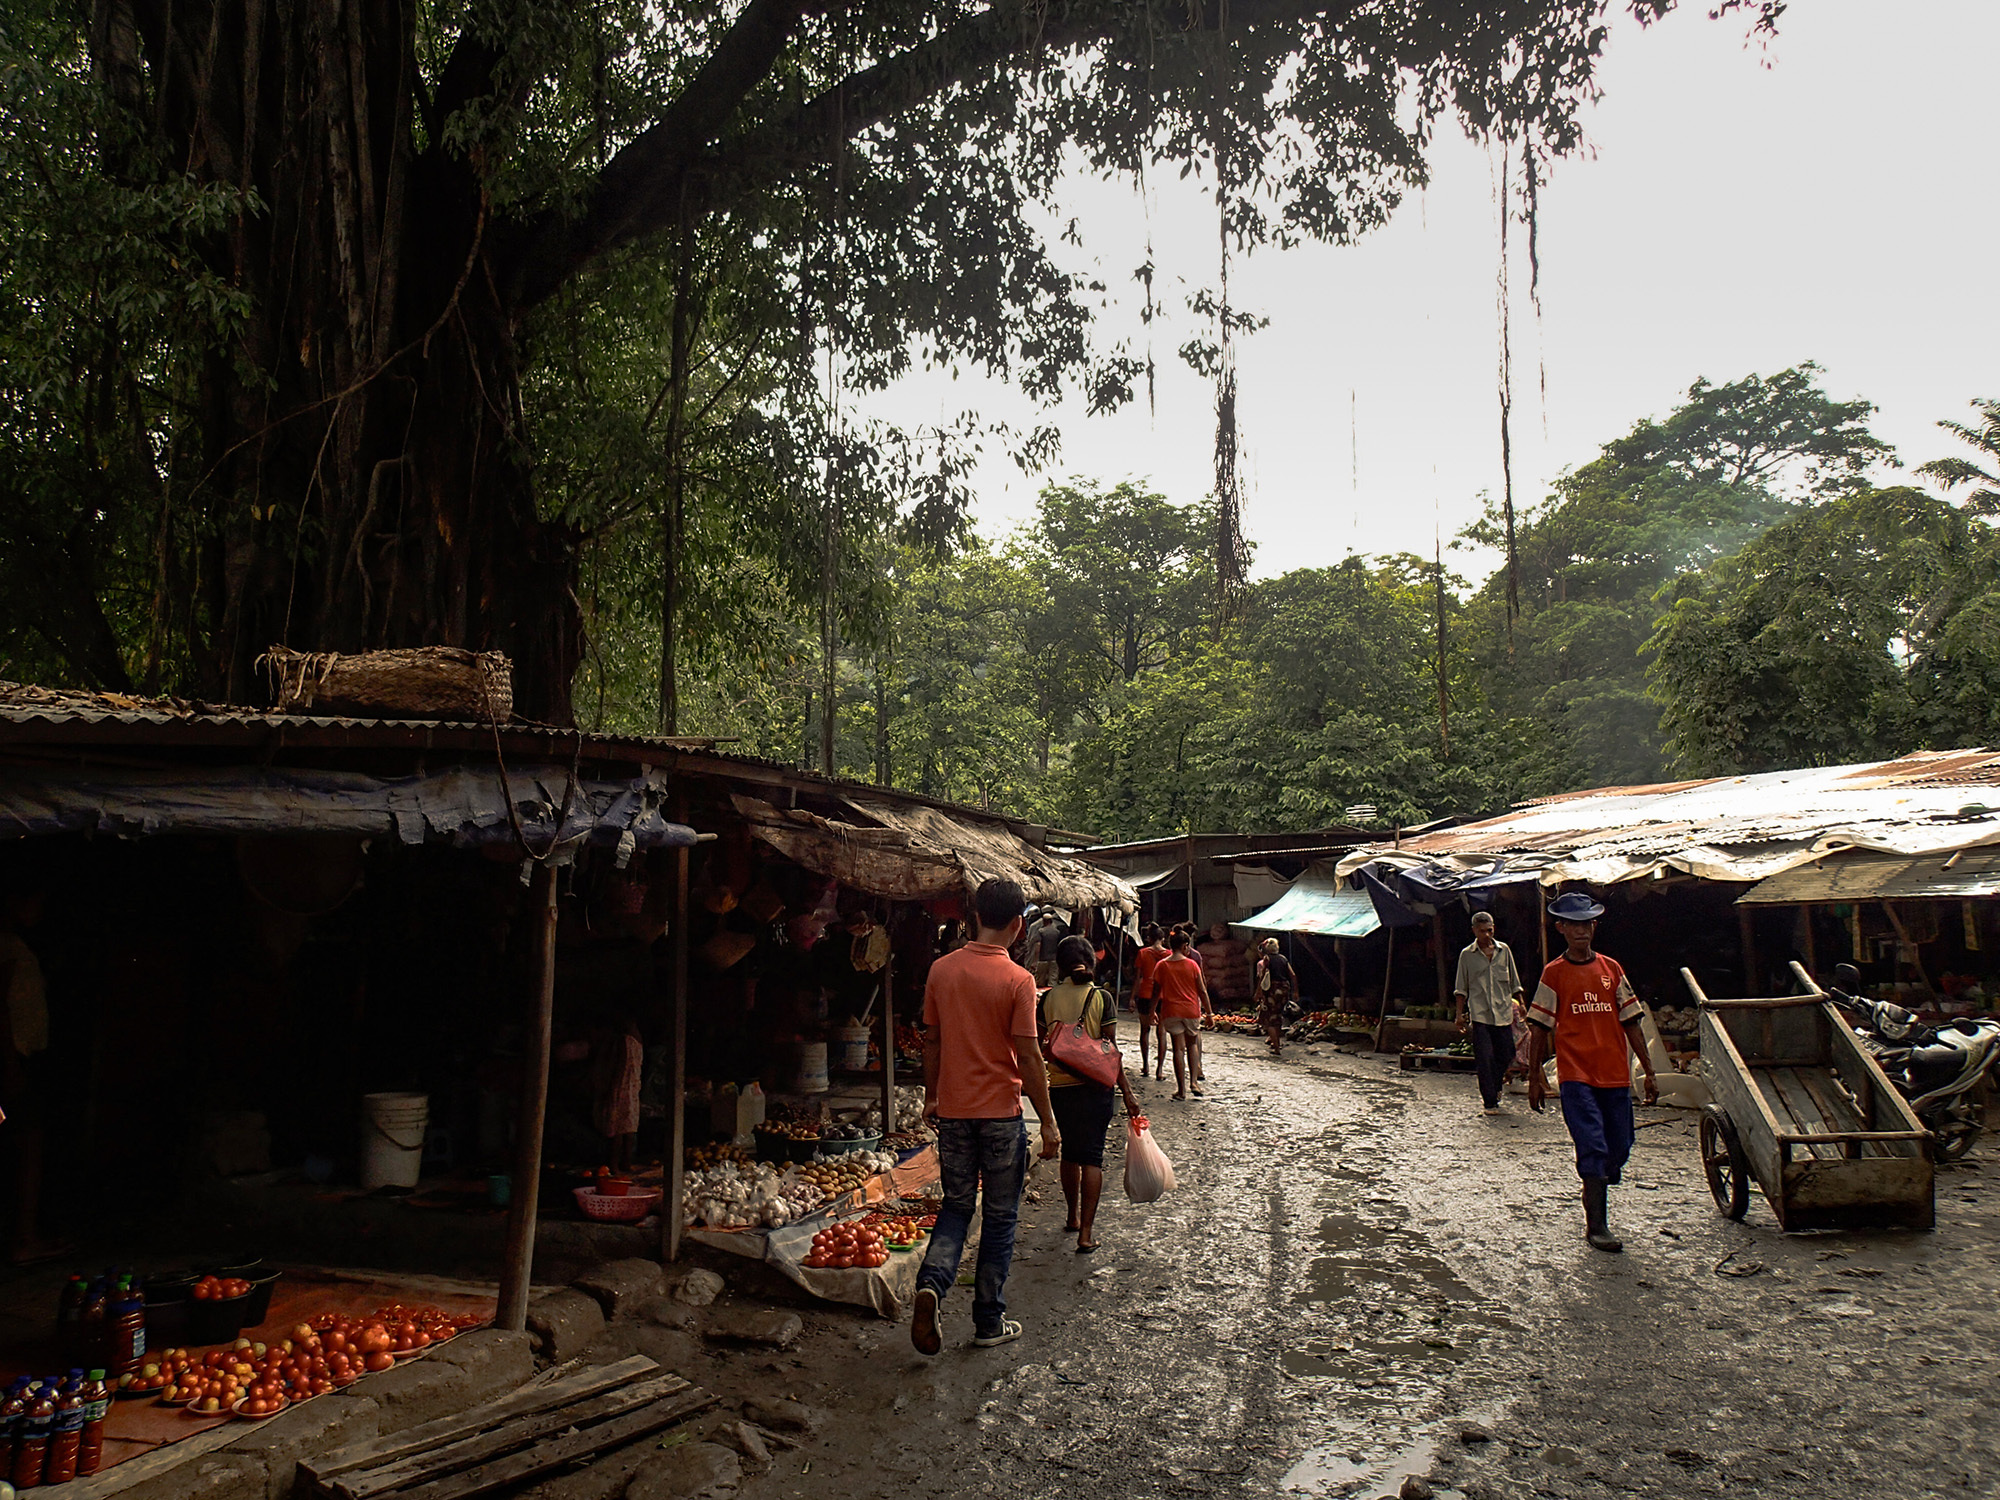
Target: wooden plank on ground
<point>1838,1111</point>
<point>544,1458</point>
<point>519,1432</point>
<point>541,1396</point>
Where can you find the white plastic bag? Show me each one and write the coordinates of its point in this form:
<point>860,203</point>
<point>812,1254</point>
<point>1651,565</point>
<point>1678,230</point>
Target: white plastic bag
<point>1149,1176</point>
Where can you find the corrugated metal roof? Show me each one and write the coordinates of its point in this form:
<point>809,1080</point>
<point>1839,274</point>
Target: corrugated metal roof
<point>1730,827</point>
<point>1881,877</point>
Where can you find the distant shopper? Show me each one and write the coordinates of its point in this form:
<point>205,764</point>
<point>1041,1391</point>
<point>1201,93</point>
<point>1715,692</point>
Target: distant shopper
<point>1146,1001</point>
<point>1276,985</point>
<point>1586,1004</point>
<point>1487,986</point>
<point>980,1054</point>
<point>1047,930</point>
<point>1183,1002</point>
<point>1082,1106</point>
<point>617,1065</point>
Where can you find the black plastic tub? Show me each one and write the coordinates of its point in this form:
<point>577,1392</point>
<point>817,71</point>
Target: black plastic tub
<point>260,1297</point>
<point>216,1322</point>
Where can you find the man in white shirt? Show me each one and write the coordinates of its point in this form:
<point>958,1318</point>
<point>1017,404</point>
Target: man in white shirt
<point>1487,986</point>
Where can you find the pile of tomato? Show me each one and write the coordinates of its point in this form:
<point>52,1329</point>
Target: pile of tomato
<point>847,1245</point>
<point>332,1350</point>
<point>219,1288</point>
<point>900,1232</point>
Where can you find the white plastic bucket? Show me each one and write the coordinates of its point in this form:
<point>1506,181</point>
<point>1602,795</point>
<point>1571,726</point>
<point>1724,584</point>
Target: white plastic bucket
<point>392,1139</point>
<point>853,1053</point>
<point>811,1075</point>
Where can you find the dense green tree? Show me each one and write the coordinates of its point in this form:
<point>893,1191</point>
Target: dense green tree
<point>391,194</point>
<point>1859,627</point>
<point>1672,495</point>
<point>1984,437</point>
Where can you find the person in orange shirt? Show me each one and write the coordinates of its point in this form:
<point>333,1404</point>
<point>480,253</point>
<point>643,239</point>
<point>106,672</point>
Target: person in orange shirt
<point>1585,1004</point>
<point>1147,1002</point>
<point>1183,1002</point>
<point>981,1053</point>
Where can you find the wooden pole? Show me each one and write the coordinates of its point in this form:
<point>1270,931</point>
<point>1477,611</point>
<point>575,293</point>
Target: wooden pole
<point>671,1225</point>
<point>1340,954</point>
<point>1437,942</point>
<point>1193,930</point>
<point>1388,969</point>
<point>1805,917</point>
<point>889,1027</point>
<point>517,1269</point>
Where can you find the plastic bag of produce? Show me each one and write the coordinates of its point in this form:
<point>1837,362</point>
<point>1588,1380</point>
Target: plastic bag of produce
<point>1149,1176</point>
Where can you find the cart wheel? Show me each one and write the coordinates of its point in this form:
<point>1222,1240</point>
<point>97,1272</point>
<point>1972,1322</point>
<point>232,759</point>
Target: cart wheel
<point>1723,1160</point>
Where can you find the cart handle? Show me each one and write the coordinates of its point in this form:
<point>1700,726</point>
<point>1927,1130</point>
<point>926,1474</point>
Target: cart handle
<point>1687,977</point>
<point>1806,979</point>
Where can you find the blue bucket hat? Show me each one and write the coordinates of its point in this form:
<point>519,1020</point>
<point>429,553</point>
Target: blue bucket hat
<point>1575,906</point>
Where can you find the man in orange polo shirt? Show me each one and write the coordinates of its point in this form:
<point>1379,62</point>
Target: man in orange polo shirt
<point>981,1052</point>
<point>1586,1003</point>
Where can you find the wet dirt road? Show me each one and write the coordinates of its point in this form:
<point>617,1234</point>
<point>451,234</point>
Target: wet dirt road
<point>1358,1266</point>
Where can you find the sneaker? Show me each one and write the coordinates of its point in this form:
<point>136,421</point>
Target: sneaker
<point>1009,1331</point>
<point>924,1321</point>
<point>1493,1109</point>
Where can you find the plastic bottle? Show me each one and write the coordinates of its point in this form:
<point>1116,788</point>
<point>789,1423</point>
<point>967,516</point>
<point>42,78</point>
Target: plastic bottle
<point>12,1412</point>
<point>96,1407</point>
<point>31,1447</point>
<point>66,1436</point>
<point>126,1330</point>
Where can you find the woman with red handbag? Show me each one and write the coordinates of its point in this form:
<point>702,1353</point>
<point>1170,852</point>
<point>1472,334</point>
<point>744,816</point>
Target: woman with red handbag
<point>1082,1104</point>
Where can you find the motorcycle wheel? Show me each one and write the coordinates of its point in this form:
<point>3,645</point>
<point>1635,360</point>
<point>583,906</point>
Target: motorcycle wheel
<point>1723,1162</point>
<point>1955,1134</point>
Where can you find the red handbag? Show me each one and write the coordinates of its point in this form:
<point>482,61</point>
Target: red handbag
<point>1075,1050</point>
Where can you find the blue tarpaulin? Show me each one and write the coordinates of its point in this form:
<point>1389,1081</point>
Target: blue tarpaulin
<point>1320,905</point>
<point>464,806</point>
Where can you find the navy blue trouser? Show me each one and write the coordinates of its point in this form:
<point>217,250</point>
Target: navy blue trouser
<point>1600,1125</point>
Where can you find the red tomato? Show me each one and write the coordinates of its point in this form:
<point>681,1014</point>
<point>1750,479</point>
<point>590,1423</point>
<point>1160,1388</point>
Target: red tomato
<point>381,1359</point>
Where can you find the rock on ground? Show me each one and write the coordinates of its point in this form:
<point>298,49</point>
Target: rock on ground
<point>699,1288</point>
<point>781,1415</point>
<point>565,1324</point>
<point>769,1326</point>
<point>620,1286</point>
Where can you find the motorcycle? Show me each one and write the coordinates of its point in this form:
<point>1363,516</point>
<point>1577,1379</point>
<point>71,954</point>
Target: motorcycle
<point>1943,1071</point>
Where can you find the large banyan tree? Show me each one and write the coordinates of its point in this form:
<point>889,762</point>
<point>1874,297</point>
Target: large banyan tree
<point>279,267</point>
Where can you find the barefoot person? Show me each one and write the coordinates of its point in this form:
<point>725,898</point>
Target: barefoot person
<point>981,1054</point>
<point>1276,984</point>
<point>1082,1105</point>
<point>1146,1001</point>
<point>1487,986</point>
<point>1183,1002</point>
<point>1585,1002</point>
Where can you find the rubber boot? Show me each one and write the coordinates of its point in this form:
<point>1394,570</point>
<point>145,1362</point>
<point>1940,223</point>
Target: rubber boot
<point>1594,1213</point>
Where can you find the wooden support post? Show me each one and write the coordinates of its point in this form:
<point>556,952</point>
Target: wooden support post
<point>889,1028</point>
<point>517,1269</point>
<point>671,1225</point>
<point>1340,956</point>
<point>1437,942</point>
<point>1541,923</point>
<point>1805,917</point>
<point>1388,972</point>
<point>1192,928</point>
<point>1747,937</point>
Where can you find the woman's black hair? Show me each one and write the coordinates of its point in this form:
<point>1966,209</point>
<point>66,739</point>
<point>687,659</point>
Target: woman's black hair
<point>1177,940</point>
<point>1152,932</point>
<point>1075,957</point>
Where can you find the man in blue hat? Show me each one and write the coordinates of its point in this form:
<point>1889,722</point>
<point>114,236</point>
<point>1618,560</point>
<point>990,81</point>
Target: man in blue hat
<point>1585,1003</point>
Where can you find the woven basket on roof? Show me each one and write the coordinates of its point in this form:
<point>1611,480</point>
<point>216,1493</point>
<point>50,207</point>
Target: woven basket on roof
<point>426,682</point>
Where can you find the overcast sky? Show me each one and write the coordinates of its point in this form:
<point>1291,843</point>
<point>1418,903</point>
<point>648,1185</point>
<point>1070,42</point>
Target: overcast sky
<point>1832,198</point>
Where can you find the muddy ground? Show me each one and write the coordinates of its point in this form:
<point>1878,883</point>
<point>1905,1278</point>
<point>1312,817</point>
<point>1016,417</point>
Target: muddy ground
<point>1359,1269</point>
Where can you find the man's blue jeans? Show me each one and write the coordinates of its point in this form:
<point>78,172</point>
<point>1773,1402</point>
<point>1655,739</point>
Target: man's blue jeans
<point>978,1159</point>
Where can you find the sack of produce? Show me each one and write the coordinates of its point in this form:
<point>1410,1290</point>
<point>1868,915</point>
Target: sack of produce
<point>1149,1176</point>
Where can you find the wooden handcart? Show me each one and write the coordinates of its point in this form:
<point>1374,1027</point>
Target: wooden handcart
<point>1801,1106</point>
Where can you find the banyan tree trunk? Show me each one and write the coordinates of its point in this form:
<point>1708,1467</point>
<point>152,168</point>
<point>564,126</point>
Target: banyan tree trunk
<point>367,476</point>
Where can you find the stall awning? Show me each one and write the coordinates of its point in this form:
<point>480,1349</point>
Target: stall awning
<point>923,853</point>
<point>1882,877</point>
<point>465,805</point>
<point>1317,904</point>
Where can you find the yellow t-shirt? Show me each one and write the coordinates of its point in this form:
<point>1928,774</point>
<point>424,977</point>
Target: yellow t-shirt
<point>1067,1002</point>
